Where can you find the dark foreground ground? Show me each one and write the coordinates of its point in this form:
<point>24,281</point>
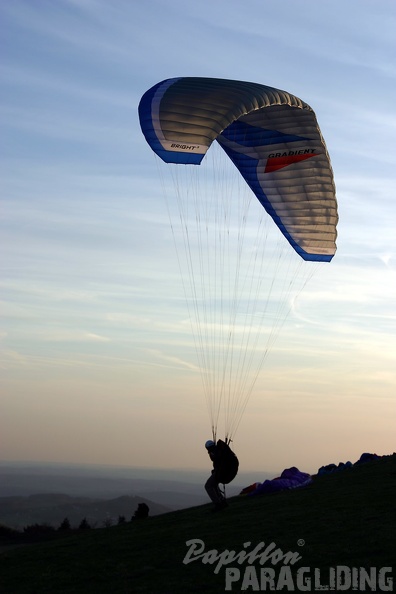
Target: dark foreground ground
<point>345,521</point>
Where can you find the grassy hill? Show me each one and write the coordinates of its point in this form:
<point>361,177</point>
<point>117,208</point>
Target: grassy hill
<point>343,519</point>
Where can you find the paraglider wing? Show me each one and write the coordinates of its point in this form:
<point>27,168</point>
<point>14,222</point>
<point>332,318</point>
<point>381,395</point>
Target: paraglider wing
<point>272,137</point>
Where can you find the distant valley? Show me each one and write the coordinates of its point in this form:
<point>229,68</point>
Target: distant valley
<point>47,494</point>
<point>53,509</point>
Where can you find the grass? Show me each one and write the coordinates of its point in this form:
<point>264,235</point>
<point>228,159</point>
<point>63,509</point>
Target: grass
<point>344,519</point>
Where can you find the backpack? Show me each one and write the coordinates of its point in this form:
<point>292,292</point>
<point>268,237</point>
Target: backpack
<point>228,463</point>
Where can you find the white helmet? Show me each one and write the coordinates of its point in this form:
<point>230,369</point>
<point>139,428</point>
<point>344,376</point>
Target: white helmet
<point>209,444</point>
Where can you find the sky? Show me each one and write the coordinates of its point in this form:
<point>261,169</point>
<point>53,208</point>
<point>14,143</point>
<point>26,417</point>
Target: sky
<point>97,360</point>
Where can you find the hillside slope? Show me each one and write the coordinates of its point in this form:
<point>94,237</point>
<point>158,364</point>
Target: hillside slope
<point>343,520</point>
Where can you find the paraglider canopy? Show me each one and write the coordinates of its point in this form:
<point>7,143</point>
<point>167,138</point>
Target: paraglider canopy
<point>272,137</point>
<point>238,296</point>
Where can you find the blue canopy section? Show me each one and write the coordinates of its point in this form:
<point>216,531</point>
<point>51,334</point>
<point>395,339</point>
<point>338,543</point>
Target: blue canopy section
<point>253,136</point>
<point>151,132</point>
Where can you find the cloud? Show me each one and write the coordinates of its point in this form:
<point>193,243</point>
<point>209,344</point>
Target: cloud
<point>71,336</point>
<point>169,361</point>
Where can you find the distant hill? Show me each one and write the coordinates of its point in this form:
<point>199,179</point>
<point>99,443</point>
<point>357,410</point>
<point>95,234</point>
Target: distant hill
<point>52,509</point>
<point>345,521</point>
<point>92,481</point>
<point>175,489</point>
